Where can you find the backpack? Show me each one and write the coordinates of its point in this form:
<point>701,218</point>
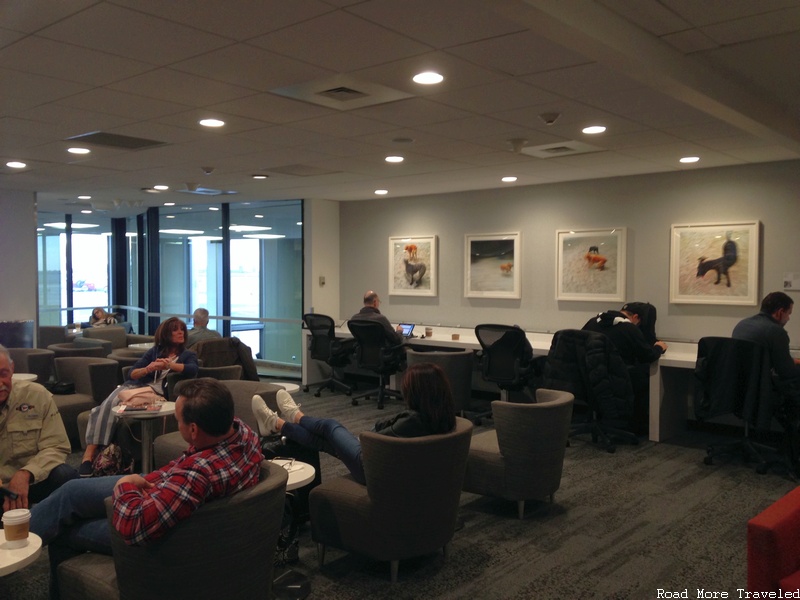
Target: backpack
<point>112,460</point>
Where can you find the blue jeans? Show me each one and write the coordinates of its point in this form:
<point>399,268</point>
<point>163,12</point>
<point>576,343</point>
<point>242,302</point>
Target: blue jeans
<point>329,436</point>
<point>72,520</point>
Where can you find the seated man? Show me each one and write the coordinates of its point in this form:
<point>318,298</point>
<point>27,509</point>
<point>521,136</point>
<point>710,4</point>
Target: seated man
<point>224,457</point>
<point>200,330</point>
<point>371,312</point>
<point>33,441</point>
<point>622,327</point>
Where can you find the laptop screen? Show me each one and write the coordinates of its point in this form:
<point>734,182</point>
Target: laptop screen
<point>408,328</point>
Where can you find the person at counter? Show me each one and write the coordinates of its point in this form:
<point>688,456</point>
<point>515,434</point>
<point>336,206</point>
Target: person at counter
<point>624,328</point>
<point>371,312</point>
<point>33,442</point>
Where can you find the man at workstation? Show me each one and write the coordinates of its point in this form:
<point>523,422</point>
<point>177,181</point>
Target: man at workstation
<point>33,442</point>
<point>200,330</point>
<point>371,312</point>
<point>623,328</point>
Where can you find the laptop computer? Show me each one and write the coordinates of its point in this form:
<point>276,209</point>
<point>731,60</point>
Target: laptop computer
<point>408,329</point>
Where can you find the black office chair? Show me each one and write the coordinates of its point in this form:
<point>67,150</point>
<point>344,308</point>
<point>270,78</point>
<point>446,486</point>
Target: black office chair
<point>588,365</point>
<point>506,357</point>
<point>326,347</point>
<point>733,377</point>
<point>373,352</point>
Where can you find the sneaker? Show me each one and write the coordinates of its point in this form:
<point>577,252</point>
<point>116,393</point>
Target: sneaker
<point>267,418</point>
<point>287,405</point>
<point>86,469</point>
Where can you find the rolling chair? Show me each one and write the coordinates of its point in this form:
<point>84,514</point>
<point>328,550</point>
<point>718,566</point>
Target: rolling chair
<point>506,357</point>
<point>325,347</point>
<point>733,377</point>
<point>587,365</point>
<point>375,354</point>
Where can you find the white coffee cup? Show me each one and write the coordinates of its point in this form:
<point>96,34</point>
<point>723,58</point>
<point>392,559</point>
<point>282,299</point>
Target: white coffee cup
<point>15,526</point>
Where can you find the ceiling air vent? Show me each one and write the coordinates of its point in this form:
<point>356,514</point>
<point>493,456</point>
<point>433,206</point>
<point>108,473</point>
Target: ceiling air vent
<point>113,140</point>
<point>343,94</point>
<point>201,191</point>
<point>570,148</point>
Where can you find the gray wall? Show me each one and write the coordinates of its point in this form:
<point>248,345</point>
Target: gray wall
<point>646,205</point>
<point>18,296</point>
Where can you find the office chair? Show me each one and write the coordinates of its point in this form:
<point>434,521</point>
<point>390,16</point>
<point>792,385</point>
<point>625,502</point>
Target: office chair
<point>326,347</point>
<point>506,357</point>
<point>733,377</point>
<point>588,365</point>
<point>373,352</point>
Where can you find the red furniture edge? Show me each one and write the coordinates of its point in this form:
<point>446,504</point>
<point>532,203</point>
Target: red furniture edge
<point>773,546</point>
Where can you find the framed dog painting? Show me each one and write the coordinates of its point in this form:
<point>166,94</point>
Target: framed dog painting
<point>591,264</point>
<point>412,266</point>
<point>714,263</point>
<point>492,265</point>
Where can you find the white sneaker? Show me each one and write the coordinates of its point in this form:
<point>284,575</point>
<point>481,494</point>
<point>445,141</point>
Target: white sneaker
<point>266,417</point>
<point>287,405</point>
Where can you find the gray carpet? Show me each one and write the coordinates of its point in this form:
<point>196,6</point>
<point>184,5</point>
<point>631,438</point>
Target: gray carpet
<point>623,525</point>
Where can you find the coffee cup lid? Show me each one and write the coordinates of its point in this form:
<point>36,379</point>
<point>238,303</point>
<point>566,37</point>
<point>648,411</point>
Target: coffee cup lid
<point>17,515</point>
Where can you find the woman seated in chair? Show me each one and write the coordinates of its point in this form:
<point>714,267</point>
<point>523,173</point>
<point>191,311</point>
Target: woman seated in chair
<point>168,354</point>
<point>100,318</point>
<point>430,411</point>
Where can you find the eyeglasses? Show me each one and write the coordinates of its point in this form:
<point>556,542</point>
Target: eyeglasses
<point>285,462</point>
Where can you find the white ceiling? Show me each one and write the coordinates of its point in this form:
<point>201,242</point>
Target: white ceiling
<point>713,78</point>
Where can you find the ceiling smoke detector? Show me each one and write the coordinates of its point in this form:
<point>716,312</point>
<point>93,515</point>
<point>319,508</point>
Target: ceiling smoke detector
<point>550,117</point>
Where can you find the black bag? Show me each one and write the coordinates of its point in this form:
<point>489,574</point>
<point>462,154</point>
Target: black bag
<point>112,460</point>
<point>60,388</point>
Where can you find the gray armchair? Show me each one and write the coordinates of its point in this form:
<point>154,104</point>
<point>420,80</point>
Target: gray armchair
<point>94,380</point>
<point>82,347</point>
<point>232,537</point>
<point>33,360</point>
<point>117,335</point>
<point>522,458</point>
<point>408,507</point>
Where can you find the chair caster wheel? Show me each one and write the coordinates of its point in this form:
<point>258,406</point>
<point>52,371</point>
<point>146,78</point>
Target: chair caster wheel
<point>317,393</point>
<point>348,393</point>
<point>708,460</point>
<point>354,402</point>
<point>305,388</point>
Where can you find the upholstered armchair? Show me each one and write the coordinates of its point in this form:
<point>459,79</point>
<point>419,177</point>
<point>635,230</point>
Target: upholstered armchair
<point>225,549</point>
<point>117,335</point>
<point>773,547</point>
<point>82,347</point>
<point>94,380</point>
<point>522,458</point>
<point>409,505</point>
<point>33,360</point>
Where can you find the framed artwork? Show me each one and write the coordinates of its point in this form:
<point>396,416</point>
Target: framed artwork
<point>492,266</point>
<point>591,264</point>
<point>714,263</point>
<point>412,266</point>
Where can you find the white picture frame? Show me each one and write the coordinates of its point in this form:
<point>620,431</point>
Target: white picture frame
<point>413,266</point>
<point>492,265</point>
<point>591,264</point>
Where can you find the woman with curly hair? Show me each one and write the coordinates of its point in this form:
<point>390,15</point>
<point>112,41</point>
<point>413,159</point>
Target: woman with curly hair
<point>168,354</point>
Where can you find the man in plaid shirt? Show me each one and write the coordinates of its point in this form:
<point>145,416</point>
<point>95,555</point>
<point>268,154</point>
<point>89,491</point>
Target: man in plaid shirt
<point>224,457</point>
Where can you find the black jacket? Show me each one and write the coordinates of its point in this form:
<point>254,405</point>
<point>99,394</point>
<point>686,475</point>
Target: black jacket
<point>586,364</point>
<point>626,337</point>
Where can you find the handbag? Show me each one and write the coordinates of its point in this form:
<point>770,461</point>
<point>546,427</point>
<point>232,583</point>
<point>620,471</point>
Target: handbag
<point>136,397</point>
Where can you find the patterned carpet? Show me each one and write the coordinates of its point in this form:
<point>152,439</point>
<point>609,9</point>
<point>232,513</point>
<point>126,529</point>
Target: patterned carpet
<point>623,525</point>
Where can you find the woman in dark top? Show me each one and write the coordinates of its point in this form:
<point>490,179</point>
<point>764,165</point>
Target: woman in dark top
<point>168,354</point>
<point>430,410</point>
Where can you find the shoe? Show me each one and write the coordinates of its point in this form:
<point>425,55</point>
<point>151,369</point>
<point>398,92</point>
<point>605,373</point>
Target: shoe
<point>267,418</point>
<point>287,405</point>
<point>86,469</point>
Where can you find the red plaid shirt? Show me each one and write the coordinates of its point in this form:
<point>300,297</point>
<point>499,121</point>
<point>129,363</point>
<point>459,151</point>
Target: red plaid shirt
<point>187,483</point>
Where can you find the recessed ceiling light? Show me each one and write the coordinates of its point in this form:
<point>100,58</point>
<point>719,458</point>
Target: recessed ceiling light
<point>211,123</point>
<point>169,204</point>
<point>150,191</point>
<point>78,150</point>
<point>84,197</point>
<point>394,159</point>
<point>260,176</point>
<point>299,222</point>
<point>428,78</point>
<point>381,192</point>
<point>15,164</point>
<point>161,188</point>
<point>509,179</point>
<point>170,216</point>
<point>74,225</point>
<point>258,216</point>
<point>264,236</point>
<point>182,231</point>
<point>86,211</point>
<point>244,228</point>
<point>690,159</point>
<point>213,208</point>
<point>594,129</point>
